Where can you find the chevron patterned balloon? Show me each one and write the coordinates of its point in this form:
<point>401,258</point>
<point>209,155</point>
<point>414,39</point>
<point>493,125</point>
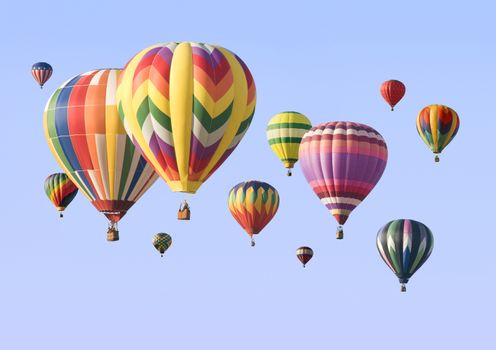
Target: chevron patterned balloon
<point>186,106</point>
<point>253,204</point>
<point>404,245</point>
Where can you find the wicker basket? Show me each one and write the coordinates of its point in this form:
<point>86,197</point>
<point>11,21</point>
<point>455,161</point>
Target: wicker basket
<point>184,214</point>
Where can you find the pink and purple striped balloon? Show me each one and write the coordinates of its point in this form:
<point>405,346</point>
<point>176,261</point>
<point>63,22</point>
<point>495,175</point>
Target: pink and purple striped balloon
<point>342,162</point>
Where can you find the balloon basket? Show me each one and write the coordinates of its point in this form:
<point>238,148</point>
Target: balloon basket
<point>339,233</point>
<point>112,234</point>
<point>184,214</point>
<point>436,159</point>
<point>61,215</point>
<point>289,173</point>
<point>403,288</point>
<point>252,243</point>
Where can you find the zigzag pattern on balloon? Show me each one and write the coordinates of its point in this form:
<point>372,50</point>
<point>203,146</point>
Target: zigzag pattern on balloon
<point>185,113</point>
<point>253,204</point>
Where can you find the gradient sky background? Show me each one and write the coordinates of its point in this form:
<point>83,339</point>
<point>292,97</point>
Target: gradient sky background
<point>63,286</point>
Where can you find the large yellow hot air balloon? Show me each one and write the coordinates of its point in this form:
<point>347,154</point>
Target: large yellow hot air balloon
<point>186,106</point>
<point>284,133</point>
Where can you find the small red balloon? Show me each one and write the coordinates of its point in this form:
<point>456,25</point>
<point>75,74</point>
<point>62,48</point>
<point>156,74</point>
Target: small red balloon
<point>393,91</point>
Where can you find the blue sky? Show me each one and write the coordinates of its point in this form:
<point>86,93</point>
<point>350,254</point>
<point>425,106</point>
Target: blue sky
<point>64,287</point>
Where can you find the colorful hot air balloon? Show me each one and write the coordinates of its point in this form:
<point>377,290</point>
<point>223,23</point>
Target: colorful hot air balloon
<point>41,72</point>
<point>60,190</point>
<point>404,245</point>
<point>437,125</point>
<point>186,106</point>
<point>88,140</point>
<point>162,242</point>
<point>342,162</point>
<point>393,91</point>
<point>304,254</point>
<point>284,133</point>
<point>253,204</point>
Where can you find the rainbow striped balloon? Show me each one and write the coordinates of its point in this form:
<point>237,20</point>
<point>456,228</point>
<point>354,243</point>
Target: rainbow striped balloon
<point>88,140</point>
<point>60,190</point>
<point>342,162</point>
<point>186,106</point>
<point>253,204</point>
<point>437,125</point>
<point>404,245</point>
<point>284,133</point>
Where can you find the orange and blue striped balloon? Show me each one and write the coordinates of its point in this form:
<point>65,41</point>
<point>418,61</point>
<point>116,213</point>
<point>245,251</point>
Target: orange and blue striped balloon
<point>437,125</point>
<point>60,190</point>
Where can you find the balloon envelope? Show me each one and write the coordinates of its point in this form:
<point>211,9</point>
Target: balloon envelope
<point>60,190</point>
<point>253,204</point>
<point>88,140</point>
<point>393,91</point>
<point>404,245</point>
<point>284,133</point>
<point>342,162</point>
<point>437,125</point>
<point>186,106</point>
<point>162,242</point>
<point>41,72</point>
<point>304,254</point>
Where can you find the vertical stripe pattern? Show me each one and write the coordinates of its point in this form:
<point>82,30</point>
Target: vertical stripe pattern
<point>404,245</point>
<point>186,106</point>
<point>253,204</point>
<point>393,91</point>
<point>87,138</point>
<point>342,162</point>
<point>284,133</point>
<point>41,72</point>
<point>437,125</point>
<point>60,190</point>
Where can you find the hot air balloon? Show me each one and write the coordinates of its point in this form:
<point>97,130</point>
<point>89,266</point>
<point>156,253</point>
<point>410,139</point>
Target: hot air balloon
<point>437,125</point>
<point>253,204</point>
<point>41,72</point>
<point>342,162</point>
<point>304,254</point>
<point>162,242</point>
<point>393,91</point>
<point>284,133</point>
<point>88,140</point>
<point>404,245</point>
<point>186,106</point>
<point>60,190</point>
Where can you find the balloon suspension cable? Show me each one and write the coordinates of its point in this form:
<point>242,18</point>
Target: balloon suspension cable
<point>436,159</point>
<point>403,287</point>
<point>339,232</point>
<point>252,242</point>
<point>61,215</point>
<point>289,172</point>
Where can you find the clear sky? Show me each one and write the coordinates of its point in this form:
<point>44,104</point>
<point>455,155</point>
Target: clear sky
<point>63,286</point>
